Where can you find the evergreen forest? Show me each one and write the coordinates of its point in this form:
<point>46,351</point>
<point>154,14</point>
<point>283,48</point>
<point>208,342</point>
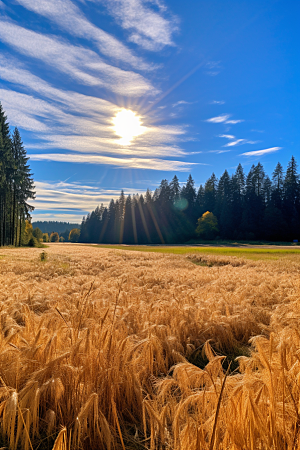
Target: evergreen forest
<point>16,185</point>
<point>62,228</point>
<point>249,206</point>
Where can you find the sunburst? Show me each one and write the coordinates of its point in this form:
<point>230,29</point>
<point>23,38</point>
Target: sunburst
<point>127,125</point>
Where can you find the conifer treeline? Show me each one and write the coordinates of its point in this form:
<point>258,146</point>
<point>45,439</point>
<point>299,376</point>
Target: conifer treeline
<point>247,207</point>
<point>16,185</point>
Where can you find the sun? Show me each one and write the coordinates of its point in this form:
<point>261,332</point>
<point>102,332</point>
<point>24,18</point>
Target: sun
<point>127,125</point>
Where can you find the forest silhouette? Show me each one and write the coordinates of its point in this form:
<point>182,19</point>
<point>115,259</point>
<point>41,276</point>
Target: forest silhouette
<point>247,207</point>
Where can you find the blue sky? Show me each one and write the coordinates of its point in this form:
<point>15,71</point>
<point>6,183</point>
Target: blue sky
<point>214,83</point>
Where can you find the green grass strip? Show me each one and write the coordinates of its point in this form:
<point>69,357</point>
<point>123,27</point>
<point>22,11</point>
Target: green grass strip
<point>242,252</point>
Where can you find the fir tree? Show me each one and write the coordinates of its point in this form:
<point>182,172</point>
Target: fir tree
<point>16,185</point>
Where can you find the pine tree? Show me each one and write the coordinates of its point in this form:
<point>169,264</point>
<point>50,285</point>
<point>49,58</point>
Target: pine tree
<point>210,191</point>
<point>6,169</point>
<point>200,201</point>
<point>238,200</point>
<point>23,186</point>
<point>129,236</point>
<point>223,207</point>
<point>174,189</point>
<point>16,185</point>
<point>189,193</point>
<point>277,187</point>
<point>292,198</point>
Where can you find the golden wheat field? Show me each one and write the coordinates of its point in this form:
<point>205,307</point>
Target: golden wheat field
<point>112,349</point>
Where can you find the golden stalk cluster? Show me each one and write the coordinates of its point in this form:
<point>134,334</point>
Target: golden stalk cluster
<point>108,349</point>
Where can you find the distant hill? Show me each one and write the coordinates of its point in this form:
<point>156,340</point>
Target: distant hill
<point>52,226</point>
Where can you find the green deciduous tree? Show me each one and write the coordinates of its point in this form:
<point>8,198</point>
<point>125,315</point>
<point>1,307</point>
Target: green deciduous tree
<point>38,234</point>
<point>74,235</point>
<point>45,237</point>
<point>207,227</point>
<point>54,237</point>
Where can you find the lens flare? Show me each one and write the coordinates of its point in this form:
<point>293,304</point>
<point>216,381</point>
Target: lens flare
<point>127,125</point>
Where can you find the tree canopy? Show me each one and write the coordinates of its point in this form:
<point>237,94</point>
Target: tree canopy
<point>207,227</point>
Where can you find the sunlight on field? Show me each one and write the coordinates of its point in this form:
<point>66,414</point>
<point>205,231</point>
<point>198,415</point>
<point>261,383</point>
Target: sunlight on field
<point>105,348</point>
<point>243,252</point>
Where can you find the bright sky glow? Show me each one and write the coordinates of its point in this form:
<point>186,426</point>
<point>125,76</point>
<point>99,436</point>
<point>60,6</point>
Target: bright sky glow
<point>127,125</point>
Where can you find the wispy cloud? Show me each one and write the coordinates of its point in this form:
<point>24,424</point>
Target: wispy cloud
<point>219,151</point>
<point>233,141</point>
<point>148,28</point>
<point>235,121</point>
<point>70,18</point>
<point>214,68</point>
<point>125,163</point>
<point>227,136</point>
<point>180,102</point>
<point>236,142</point>
<point>223,118</point>
<point>217,102</point>
<point>261,152</point>
<point>81,64</point>
<point>219,119</point>
<point>12,71</point>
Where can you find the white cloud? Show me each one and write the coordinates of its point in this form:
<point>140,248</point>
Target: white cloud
<point>219,119</point>
<point>217,102</point>
<point>81,64</point>
<point>227,136</point>
<point>219,151</point>
<point>126,163</point>
<point>214,67</point>
<point>224,118</point>
<point>236,142</point>
<point>232,142</point>
<point>11,70</point>
<point>181,102</point>
<point>148,28</point>
<point>234,121</point>
<point>70,196</point>
<point>70,18</point>
<point>26,111</point>
<point>261,152</point>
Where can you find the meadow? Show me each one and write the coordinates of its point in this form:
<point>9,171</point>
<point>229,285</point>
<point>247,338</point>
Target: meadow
<point>242,251</point>
<point>106,348</point>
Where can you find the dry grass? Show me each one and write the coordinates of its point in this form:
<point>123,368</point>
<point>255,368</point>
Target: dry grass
<point>111,349</point>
